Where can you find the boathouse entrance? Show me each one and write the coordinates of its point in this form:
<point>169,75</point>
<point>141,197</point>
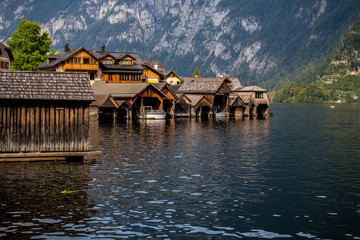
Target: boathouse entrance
<point>262,110</point>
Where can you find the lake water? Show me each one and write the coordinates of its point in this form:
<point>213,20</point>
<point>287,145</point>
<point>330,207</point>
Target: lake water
<point>295,175</point>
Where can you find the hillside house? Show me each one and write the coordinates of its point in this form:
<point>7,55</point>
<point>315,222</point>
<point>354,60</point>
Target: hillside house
<point>6,58</point>
<point>76,60</point>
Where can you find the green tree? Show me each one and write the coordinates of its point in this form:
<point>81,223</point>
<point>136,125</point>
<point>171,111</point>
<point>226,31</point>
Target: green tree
<point>28,46</point>
<point>196,72</point>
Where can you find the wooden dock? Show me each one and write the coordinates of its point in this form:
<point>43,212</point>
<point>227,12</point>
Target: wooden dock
<point>47,156</point>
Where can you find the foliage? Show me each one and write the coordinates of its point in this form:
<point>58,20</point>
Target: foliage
<point>196,72</point>
<point>338,78</point>
<point>28,46</point>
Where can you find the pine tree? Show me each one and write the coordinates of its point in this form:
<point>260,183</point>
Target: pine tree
<point>196,72</point>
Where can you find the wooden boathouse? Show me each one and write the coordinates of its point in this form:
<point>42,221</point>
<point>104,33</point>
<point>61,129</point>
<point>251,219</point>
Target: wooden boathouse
<point>137,96</point>
<point>44,116</point>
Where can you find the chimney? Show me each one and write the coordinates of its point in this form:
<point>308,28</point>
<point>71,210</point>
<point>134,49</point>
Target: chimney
<point>103,48</point>
<point>66,48</point>
<point>156,67</point>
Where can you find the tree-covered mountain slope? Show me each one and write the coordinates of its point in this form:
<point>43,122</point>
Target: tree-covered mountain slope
<point>338,79</point>
<point>264,42</point>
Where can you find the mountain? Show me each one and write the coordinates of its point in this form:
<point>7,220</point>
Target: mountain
<point>338,79</point>
<point>264,42</point>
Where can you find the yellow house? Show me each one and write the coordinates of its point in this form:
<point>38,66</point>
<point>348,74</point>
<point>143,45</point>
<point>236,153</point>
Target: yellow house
<point>173,79</point>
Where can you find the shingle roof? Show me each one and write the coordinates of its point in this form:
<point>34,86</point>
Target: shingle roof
<point>195,99</point>
<point>200,87</point>
<point>250,89</point>
<point>121,90</point>
<point>45,86</point>
<point>235,83</point>
<point>120,55</point>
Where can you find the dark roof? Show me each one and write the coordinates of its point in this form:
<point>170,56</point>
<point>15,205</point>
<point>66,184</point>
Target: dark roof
<point>59,57</point>
<point>45,86</point>
<point>5,48</point>
<point>121,90</point>
<point>119,55</point>
<point>200,87</point>
<point>175,88</point>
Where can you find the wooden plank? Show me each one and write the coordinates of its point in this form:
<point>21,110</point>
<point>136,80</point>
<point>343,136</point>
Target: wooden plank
<point>61,113</point>
<point>1,130</point>
<point>22,140</point>
<point>66,129</point>
<point>86,128</point>
<point>37,129</point>
<point>80,139</point>
<point>43,131</point>
<point>18,127</point>
<point>32,129</point>
<point>52,132</point>
<point>71,128</point>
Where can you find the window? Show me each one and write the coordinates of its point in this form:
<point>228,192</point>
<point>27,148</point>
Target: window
<point>2,65</point>
<point>92,61</point>
<point>258,95</point>
<point>107,61</point>
<point>74,60</point>
<point>110,77</point>
<point>126,62</point>
<point>92,76</point>
<point>86,61</point>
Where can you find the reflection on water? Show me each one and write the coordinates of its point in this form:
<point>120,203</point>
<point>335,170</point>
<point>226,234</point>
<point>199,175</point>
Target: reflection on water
<point>292,176</point>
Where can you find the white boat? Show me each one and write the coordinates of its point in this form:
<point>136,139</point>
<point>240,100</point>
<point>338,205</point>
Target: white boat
<point>150,113</point>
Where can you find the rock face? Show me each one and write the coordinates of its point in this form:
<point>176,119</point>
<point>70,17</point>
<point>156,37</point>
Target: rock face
<point>248,39</point>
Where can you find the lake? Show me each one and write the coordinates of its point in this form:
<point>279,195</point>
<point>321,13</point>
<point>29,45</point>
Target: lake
<point>295,175</point>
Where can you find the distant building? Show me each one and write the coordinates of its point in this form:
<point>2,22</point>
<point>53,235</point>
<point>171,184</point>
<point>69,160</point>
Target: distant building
<point>256,100</point>
<point>172,78</point>
<point>6,58</point>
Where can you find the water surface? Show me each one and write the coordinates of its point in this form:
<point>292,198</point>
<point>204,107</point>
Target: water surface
<point>295,175</point>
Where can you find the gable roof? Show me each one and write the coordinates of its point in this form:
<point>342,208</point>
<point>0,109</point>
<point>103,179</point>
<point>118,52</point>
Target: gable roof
<point>201,87</point>
<point>236,101</point>
<point>172,71</point>
<point>45,86</point>
<point>156,65</point>
<point>195,99</point>
<point>123,90</point>
<point>63,56</point>
<point>119,55</point>
<point>162,86</point>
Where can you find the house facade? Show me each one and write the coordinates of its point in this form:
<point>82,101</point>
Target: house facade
<point>6,58</point>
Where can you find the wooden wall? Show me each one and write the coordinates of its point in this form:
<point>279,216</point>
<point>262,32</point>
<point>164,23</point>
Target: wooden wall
<point>38,126</point>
